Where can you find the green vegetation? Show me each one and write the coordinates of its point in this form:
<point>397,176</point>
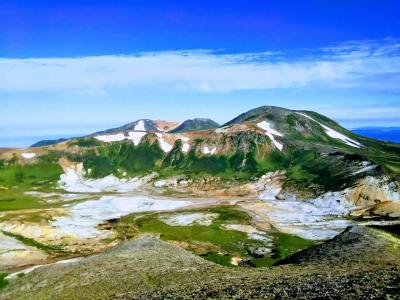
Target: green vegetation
<point>28,176</point>
<point>16,179</point>
<point>306,169</point>
<point>15,199</point>
<point>212,242</point>
<point>52,156</point>
<point>125,158</point>
<point>84,142</point>
<point>309,170</point>
<point>3,280</point>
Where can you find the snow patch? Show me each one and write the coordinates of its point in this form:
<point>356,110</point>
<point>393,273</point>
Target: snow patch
<point>366,167</point>
<point>72,181</point>
<point>140,126</point>
<point>270,132</point>
<point>136,136</point>
<point>185,146</point>
<point>207,150</point>
<point>166,147</point>
<point>334,134</point>
<point>111,137</point>
<point>190,219</point>
<point>85,216</point>
<point>28,155</point>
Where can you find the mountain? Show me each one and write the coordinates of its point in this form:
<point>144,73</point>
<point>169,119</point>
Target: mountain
<point>390,134</point>
<point>44,143</point>
<point>139,125</point>
<point>309,153</point>
<point>195,124</point>
<point>143,125</point>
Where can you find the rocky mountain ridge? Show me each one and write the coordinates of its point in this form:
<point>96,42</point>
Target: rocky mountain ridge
<point>315,153</point>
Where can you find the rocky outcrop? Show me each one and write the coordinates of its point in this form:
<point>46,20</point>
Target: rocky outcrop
<point>373,190</point>
<point>376,197</point>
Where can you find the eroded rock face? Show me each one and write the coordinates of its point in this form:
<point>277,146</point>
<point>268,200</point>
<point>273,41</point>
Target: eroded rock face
<point>388,209</point>
<point>372,190</point>
<point>376,197</point>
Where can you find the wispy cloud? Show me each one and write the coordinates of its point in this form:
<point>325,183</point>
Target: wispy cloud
<point>367,64</point>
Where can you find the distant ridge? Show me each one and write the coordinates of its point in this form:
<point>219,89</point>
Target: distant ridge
<point>44,143</point>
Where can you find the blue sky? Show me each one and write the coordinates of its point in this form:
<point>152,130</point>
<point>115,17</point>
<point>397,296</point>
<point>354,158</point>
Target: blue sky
<point>73,67</point>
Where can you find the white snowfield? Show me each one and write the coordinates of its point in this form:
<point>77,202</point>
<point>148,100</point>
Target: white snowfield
<point>111,137</point>
<point>85,216</point>
<point>270,132</point>
<point>334,134</point>
<point>315,219</point>
<point>28,155</point>
<point>185,146</point>
<point>207,150</point>
<point>136,136</point>
<point>140,126</point>
<point>73,181</point>
<point>166,147</point>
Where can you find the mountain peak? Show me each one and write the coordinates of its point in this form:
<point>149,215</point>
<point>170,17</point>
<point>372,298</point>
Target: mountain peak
<point>195,124</point>
<point>262,112</point>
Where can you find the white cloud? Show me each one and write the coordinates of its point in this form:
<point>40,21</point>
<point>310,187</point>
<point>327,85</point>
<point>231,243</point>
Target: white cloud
<point>366,64</point>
